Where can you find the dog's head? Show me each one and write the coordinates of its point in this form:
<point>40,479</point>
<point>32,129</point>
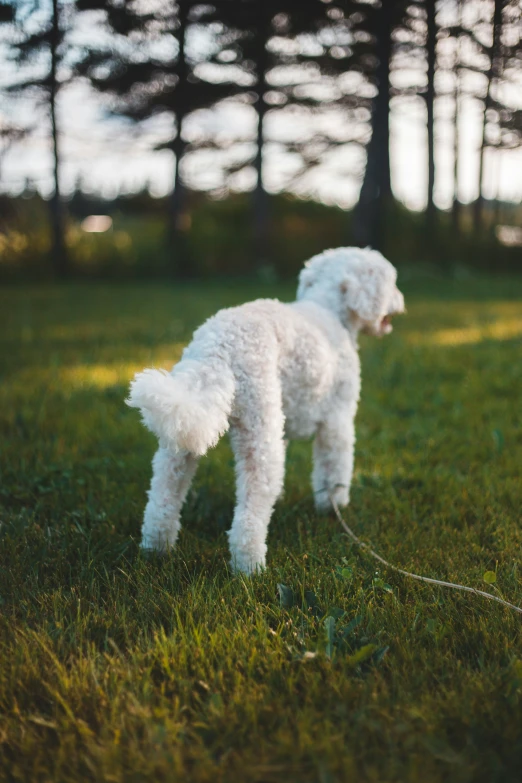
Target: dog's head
<point>358,285</point>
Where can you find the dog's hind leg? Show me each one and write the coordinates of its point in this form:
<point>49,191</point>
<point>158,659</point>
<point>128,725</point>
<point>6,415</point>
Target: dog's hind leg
<point>172,474</point>
<point>259,449</point>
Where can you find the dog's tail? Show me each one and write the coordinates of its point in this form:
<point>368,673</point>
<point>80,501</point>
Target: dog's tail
<point>188,408</point>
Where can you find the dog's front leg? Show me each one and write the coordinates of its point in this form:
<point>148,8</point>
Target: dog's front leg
<point>333,459</point>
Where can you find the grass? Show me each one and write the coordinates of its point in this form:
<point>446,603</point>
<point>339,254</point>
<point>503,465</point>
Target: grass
<point>118,668</point>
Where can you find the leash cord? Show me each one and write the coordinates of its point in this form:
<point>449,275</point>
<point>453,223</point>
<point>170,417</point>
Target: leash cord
<point>427,579</point>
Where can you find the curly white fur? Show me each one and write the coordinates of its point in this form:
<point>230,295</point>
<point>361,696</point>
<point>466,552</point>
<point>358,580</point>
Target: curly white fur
<point>266,371</point>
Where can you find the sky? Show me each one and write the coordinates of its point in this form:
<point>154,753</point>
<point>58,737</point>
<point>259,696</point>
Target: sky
<point>110,155</point>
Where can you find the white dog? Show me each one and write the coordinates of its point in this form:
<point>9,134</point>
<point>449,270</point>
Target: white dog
<point>266,371</point>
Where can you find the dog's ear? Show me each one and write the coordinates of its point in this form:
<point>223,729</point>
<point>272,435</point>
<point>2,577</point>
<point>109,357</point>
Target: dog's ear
<point>307,277</point>
<point>365,293</point>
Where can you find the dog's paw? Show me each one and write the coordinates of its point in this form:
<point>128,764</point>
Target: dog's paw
<point>156,545</point>
<point>249,568</point>
<point>322,504</point>
<point>151,554</point>
<point>323,499</point>
<point>246,563</point>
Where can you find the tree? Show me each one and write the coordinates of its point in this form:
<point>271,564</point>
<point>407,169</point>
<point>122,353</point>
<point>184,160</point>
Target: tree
<point>431,55</point>
<point>488,43</point>
<point>508,116</point>
<point>376,186</point>
<point>9,132</point>
<point>251,38</point>
<point>144,69</point>
<point>335,88</point>
<point>415,35</point>
<point>492,75</point>
<point>455,208</point>
<point>39,51</point>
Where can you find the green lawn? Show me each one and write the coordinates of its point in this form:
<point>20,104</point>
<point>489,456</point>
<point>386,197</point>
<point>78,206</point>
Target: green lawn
<point>118,668</point>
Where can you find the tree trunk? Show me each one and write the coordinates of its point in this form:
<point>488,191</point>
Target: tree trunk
<point>375,195</point>
<point>455,208</point>
<point>260,200</point>
<point>478,206</point>
<point>431,46</point>
<point>59,249</point>
<point>179,219</point>
<point>497,215</point>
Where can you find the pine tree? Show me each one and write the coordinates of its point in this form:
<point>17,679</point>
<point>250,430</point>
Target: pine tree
<point>39,50</point>
<point>146,70</point>
<point>457,30</point>
<point>370,212</point>
<point>249,30</point>
<point>431,57</point>
<point>488,39</point>
<point>492,76</point>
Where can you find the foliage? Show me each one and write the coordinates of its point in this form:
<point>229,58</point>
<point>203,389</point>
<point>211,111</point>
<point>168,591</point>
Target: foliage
<point>220,239</point>
<point>320,79</point>
<point>114,667</point>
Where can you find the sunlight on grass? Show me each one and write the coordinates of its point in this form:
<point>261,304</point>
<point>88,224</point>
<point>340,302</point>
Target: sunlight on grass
<point>97,375</point>
<point>505,329</point>
<point>103,376</point>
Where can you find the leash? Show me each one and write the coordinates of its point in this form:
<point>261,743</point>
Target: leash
<point>426,579</point>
